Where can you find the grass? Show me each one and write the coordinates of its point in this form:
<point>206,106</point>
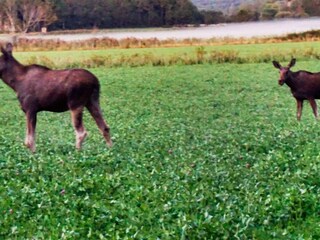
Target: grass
<point>243,50</point>
<point>209,151</point>
<point>173,56</point>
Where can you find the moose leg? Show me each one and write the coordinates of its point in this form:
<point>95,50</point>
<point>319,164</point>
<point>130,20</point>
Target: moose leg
<point>31,127</point>
<point>299,109</point>
<point>76,115</point>
<point>95,112</point>
<point>314,107</point>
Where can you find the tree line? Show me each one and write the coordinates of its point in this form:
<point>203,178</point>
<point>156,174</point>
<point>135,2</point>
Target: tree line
<point>273,9</point>
<point>32,15</point>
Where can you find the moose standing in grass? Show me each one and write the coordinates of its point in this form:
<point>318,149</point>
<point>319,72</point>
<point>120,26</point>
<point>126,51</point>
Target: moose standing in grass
<point>41,89</point>
<point>304,86</point>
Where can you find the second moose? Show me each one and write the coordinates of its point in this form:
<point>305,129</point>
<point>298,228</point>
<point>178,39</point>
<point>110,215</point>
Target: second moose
<point>304,85</point>
<point>41,89</point>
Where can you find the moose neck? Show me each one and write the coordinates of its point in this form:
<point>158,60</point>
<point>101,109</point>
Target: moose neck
<point>11,72</point>
<point>291,80</point>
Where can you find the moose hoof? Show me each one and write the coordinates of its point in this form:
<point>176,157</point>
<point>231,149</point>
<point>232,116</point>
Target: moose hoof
<point>109,143</point>
<point>31,147</point>
<point>80,139</point>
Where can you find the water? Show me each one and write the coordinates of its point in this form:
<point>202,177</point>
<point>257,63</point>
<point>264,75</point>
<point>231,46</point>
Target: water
<point>233,30</point>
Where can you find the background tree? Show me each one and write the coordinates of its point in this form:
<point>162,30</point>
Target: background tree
<point>186,13</point>
<point>27,15</point>
<point>293,8</point>
<point>30,15</point>
<point>245,15</point>
<point>270,10</point>
<point>34,14</point>
<point>297,9</point>
<point>212,17</point>
<point>311,7</point>
<point>75,14</point>
<point>9,14</point>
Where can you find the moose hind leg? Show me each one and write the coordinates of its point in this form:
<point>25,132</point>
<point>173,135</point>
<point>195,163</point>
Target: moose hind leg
<point>314,107</point>
<point>76,115</point>
<point>95,112</point>
<point>30,133</point>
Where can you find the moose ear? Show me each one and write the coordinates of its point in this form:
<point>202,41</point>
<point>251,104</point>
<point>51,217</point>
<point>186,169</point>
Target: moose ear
<point>292,63</point>
<point>276,64</point>
<point>7,50</point>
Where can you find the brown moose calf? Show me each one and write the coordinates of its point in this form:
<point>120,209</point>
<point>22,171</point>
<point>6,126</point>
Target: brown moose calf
<point>304,86</point>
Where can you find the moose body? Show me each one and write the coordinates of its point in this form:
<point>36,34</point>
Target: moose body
<point>304,85</point>
<point>39,88</point>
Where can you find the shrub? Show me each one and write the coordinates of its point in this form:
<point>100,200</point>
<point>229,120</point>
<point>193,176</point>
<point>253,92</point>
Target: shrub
<point>283,14</point>
<point>199,56</point>
<point>42,60</point>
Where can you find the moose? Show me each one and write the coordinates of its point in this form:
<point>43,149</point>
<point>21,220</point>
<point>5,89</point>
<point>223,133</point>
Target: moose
<point>304,85</point>
<point>39,88</point>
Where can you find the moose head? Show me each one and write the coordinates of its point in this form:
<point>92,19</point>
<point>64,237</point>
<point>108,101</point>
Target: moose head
<point>284,71</point>
<point>6,54</point>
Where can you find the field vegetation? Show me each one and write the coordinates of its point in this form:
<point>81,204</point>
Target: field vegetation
<point>40,44</point>
<point>206,150</point>
<point>133,52</point>
<point>186,53</point>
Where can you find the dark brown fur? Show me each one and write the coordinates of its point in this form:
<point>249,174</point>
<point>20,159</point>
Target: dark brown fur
<point>304,86</point>
<point>41,89</point>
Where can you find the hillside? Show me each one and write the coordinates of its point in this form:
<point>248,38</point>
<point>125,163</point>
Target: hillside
<point>262,9</point>
<point>222,5</point>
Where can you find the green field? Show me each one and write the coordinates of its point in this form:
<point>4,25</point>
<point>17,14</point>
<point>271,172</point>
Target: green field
<point>243,50</point>
<point>173,56</point>
<point>208,151</point>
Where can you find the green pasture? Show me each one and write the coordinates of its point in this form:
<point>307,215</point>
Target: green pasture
<point>208,151</point>
<point>245,50</point>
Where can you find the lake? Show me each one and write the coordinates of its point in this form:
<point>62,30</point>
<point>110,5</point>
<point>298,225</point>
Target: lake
<point>232,30</point>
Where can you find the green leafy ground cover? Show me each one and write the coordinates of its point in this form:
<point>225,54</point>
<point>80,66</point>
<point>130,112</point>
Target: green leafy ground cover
<point>201,152</point>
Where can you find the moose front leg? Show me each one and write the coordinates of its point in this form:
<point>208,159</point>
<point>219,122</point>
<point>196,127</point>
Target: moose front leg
<point>299,109</point>
<point>314,107</point>
<point>30,134</point>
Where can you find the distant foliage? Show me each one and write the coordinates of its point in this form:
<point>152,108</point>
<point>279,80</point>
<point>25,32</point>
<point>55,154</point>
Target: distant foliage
<point>33,15</point>
<point>75,14</point>
<point>222,5</point>
<point>212,17</point>
<point>311,7</point>
<point>255,10</point>
<point>270,10</point>
<point>26,15</point>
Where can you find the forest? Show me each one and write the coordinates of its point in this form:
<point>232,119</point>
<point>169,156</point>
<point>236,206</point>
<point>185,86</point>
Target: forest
<point>32,15</point>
